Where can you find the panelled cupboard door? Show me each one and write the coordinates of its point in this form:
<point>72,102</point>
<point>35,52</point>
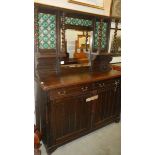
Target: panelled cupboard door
<point>70,118</point>
<point>108,104</point>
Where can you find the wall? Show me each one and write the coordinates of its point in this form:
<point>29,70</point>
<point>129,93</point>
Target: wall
<point>66,4</point>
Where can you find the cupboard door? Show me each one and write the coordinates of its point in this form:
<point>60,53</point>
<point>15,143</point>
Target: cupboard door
<point>70,117</point>
<point>108,104</point>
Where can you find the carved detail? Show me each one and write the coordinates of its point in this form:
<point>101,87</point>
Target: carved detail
<point>116,85</point>
<point>63,33</point>
<point>36,44</point>
<point>86,40</point>
<point>115,38</point>
<point>100,35</point>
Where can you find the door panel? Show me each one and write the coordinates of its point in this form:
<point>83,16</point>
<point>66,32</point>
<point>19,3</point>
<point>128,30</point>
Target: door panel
<point>71,117</point>
<point>108,104</point>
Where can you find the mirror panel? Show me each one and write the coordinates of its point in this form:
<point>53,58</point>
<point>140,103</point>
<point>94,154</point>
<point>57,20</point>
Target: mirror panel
<point>77,49</point>
<point>115,39</point>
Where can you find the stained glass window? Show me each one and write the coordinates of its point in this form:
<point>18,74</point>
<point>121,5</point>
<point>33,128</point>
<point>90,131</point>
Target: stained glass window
<point>103,40</point>
<point>78,22</point>
<point>47,31</point>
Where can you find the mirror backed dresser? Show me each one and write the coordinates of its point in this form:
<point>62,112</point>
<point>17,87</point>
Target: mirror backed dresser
<point>72,97</point>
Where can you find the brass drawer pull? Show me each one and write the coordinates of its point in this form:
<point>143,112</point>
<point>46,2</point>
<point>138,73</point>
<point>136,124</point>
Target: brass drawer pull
<point>62,92</point>
<point>101,85</point>
<point>116,85</point>
<point>84,88</point>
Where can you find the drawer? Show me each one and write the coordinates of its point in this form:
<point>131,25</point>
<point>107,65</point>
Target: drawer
<point>107,83</point>
<point>70,91</point>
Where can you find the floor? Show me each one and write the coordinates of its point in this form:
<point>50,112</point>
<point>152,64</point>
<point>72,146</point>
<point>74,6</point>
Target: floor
<point>105,141</point>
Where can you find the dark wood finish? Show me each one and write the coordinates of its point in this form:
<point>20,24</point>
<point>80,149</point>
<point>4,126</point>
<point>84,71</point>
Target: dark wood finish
<point>80,28</point>
<point>35,29</point>
<point>94,31</point>
<point>58,40</point>
<point>87,40</point>
<point>73,105</point>
<point>108,104</point>
<point>60,52</point>
<point>116,67</point>
<point>100,36</point>
<point>115,35</point>
<point>63,33</point>
<point>72,102</point>
<point>108,35</point>
<point>51,81</point>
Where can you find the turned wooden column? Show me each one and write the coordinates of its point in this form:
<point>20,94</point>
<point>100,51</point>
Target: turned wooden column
<point>114,48</point>
<point>86,40</point>
<point>100,35</point>
<point>63,34</point>
<point>36,29</point>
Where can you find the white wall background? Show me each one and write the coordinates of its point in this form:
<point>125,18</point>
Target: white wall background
<point>67,5</point>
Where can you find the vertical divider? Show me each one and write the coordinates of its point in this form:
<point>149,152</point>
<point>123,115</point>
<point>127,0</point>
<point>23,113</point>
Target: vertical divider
<point>115,37</point>
<point>63,33</point>
<point>92,37</point>
<point>58,39</point>
<point>86,41</point>
<point>36,42</point>
<point>94,31</point>
<point>108,36</point>
<point>100,35</point>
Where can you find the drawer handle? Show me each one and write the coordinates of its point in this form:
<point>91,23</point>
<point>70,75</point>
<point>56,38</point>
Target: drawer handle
<point>101,85</point>
<point>116,85</point>
<point>84,88</point>
<point>62,92</point>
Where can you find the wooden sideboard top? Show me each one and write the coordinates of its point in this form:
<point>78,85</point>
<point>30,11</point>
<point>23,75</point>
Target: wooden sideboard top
<point>117,66</point>
<point>56,81</point>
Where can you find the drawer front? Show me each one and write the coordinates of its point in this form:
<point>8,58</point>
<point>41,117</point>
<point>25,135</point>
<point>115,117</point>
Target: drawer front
<point>112,83</point>
<point>70,91</point>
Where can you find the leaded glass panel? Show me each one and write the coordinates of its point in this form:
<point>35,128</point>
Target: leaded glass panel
<point>103,40</point>
<point>47,31</point>
<point>78,22</point>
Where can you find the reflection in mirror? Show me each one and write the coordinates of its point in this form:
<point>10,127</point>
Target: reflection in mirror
<point>77,48</point>
<point>115,38</point>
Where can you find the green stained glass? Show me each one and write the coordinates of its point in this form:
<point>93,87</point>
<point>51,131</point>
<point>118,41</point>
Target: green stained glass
<point>47,31</point>
<point>77,21</point>
<point>103,40</point>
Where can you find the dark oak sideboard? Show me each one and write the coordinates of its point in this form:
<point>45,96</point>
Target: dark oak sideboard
<point>70,106</point>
